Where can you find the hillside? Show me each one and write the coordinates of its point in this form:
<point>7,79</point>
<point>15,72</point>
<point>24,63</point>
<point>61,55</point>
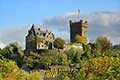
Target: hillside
<point>95,61</point>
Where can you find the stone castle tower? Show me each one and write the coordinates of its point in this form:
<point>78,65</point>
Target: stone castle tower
<point>78,28</point>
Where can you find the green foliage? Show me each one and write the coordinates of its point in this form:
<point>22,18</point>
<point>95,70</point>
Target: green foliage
<point>59,43</point>
<point>44,60</point>
<point>34,76</point>
<point>14,52</point>
<point>115,53</point>
<point>80,39</point>
<point>36,61</point>
<point>97,61</point>
<point>101,68</point>
<point>104,46</point>
<point>74,55</point>
<point>31,41</point>
<point>62,59</point>
<point>63,77</point>
<point>77,76</point>
<point>12,48</point>
<point>86,51</point>
<point>10,71</point>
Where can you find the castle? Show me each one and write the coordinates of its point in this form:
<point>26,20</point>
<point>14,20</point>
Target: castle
<point>38,39</point>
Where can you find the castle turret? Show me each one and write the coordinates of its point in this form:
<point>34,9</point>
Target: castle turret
<point>78,28</point>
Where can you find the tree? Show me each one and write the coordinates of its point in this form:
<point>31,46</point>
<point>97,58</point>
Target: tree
<point>80,39</point>
<point>74,56</point>
<point>103,45</point>
<point>14,52</point>
<point>59,43</point>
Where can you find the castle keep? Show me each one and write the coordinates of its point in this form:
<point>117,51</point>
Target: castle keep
<point>78,28</point>
<point>38,39</point>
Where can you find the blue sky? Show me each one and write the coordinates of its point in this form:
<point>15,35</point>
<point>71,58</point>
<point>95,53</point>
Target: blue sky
<point>14,13</point>
<point>17,16</point>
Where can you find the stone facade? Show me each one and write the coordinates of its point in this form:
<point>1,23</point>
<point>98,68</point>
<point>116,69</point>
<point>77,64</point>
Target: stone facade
<point>79,28</point>
<point>38,39</point>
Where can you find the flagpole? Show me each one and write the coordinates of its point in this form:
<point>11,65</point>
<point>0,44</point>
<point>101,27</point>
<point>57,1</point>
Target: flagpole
<point>78,14</point>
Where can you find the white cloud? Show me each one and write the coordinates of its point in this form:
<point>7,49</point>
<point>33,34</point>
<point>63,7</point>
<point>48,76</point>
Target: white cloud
<point>99,24</point>
<point>2,45</point>
<point>14,35</point>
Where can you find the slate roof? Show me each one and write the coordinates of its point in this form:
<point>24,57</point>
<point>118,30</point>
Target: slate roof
<point>37,31</point>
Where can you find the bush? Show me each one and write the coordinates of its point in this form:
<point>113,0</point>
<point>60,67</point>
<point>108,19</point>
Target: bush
<point>80,39</point>
<point>59,43</point>
<point>10,71</point>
